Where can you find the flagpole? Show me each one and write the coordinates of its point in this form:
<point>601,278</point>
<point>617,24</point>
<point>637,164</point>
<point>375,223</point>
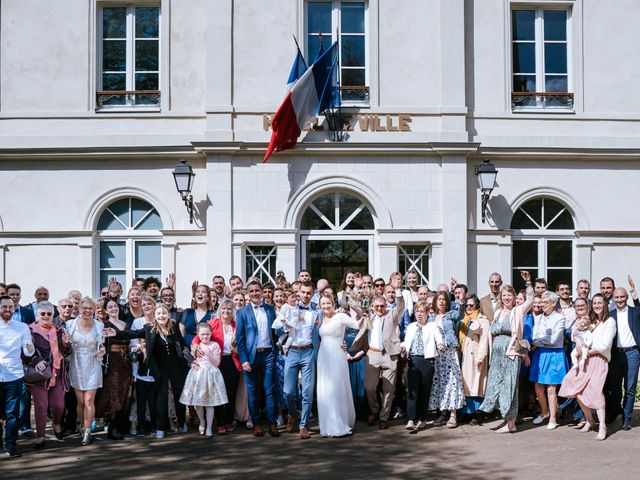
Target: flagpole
<point>298,47</point>
<point>338,82</point>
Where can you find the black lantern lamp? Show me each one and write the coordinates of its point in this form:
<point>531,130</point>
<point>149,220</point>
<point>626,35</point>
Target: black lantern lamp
<point>486,173</point>
<point>183,176</point>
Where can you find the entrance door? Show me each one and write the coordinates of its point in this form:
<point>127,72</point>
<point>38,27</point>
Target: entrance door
<point>331,259</point>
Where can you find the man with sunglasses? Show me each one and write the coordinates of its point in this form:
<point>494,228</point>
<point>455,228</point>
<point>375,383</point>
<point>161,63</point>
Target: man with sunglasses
<point>65,313</point>
<point>381,342</point>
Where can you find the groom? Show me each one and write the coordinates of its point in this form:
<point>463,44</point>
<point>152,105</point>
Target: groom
<point>256,344</point>
<point>302,358</point>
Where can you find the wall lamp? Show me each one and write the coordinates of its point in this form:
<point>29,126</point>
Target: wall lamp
<point>486,173</point>
<point>183,176</point>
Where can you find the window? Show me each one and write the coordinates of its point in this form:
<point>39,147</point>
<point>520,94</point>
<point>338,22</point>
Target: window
<point>337,212</point>
<point>129,58</point>
<point>129,245</point>
<point>414,257</point>
<point>542,241</point>
<point>260,261</point>
<point>540,58</point>
<point>345,22</point>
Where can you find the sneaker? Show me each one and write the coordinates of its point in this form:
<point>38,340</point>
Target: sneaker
<point>552,426</point>
<point>184,428</point>
<point>159,434</point>
<point>280,421</point>
<point>93,425</point>
<point>13,453</point>
<point>410,425</point>
<point>399,413</point>
<point>249,425</point>
<point>539,419</point>
<point>25,431</point>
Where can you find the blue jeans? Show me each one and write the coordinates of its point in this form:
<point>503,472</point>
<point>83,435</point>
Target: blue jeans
<point>625,369</point>
<point>25,409</point>
<point>300,360</point>
<point>265,364</point>
<point>10,403</point>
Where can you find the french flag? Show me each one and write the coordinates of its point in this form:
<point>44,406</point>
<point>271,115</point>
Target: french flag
<point>312,93</point>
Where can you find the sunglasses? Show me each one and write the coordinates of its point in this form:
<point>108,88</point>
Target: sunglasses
<point>470,305</point>
<point>378,285</point>
<point>45,314</point>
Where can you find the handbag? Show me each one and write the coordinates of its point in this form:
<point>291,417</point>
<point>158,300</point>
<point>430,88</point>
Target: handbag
<point>34,376</point>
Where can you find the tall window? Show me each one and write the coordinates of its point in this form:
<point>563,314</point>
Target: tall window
<point>540,58</point>
<point>543,232</point>
<point>129,245</point>
<point>129,57</point>
<point>343,21</point>
<point>338,212</point>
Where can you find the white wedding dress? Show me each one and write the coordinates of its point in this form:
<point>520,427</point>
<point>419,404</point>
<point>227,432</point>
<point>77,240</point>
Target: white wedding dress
<point>336,412</point>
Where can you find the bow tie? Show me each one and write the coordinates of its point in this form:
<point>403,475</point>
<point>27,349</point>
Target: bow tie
<point>302,307</point>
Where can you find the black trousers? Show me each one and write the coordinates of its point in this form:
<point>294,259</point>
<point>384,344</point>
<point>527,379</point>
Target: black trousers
<point>146,393</point>
<point>420,379</point>
<point>176,377</point>
<point>69,419</point>
<point>226,413</point>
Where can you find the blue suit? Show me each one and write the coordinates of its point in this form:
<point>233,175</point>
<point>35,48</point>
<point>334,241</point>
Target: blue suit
<point>302,361</point>
<point>624,367</point>
<point>261,362</point>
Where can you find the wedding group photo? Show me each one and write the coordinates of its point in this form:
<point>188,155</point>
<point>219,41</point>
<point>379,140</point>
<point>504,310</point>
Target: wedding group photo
<point>361,238</point>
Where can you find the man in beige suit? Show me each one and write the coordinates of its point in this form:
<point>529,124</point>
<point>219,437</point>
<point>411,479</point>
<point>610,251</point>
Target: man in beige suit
<point>489,303</point>
<point>381,342</point>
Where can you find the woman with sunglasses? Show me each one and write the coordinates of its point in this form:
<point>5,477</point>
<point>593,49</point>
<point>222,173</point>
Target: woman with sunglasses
<point>475,341</point>
<point>51,347</point>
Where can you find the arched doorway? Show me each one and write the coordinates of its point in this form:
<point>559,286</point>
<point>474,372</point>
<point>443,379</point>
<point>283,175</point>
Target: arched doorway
<point>336,235</point>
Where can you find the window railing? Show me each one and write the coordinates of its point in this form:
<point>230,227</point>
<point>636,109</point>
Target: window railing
<point>115,99</point>
<point>550,100</point>
<point>355,94</point>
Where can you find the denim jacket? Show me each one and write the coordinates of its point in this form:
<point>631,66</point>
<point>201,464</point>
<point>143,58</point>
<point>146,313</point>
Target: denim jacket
<point>450,322</point>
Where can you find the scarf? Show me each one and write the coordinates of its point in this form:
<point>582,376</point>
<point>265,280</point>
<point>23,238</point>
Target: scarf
<point>50,333</point>
<point>464,326</point>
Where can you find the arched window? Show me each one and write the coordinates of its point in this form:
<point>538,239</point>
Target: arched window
<point>129,241</point>
<point>336,232</point>
<point>543,232</point>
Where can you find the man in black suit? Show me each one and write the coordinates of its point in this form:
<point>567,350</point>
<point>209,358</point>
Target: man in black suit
<point>24,315</point>
<point>625,358</point>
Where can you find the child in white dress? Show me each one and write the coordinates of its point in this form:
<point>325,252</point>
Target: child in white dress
<point>204,387</point>
<point>581,335</point>
<point>289,318</point>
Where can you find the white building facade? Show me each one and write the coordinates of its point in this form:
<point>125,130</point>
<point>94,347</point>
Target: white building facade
<point>100,100</point>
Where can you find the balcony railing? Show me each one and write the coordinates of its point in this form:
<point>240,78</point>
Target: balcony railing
<point>543,100</point>
<point>355,94</point>
<point>134,99</point>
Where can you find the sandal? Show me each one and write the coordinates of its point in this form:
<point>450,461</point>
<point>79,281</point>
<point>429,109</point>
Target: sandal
<point>453,422</point>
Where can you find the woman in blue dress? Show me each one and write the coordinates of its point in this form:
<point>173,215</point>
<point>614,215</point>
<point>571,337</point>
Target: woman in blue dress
<point>200,311</point>
<point>356,374</point>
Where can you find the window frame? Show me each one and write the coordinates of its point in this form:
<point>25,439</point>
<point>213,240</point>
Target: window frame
<point>542,236</point>
<point>262,264</point>
<point>130,71</point>
<point>423,257</point>
<point>130,237</point>
<point>335,21</point>
<point>539,44</point>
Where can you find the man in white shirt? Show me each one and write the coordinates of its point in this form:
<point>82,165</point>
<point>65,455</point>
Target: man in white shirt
<point>625,359</point>
<point>15,338</point>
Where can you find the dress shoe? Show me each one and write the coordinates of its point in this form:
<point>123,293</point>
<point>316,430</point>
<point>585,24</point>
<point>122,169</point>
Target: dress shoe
<point>38,445</point>
<point>273,430</point>
<point>292,424</point>
<point>383,425</point>
<point>371,419</point>
<point>304,433</point>
<point>257,431</point>
<point>114,434</point>
<point>59,435</point>
<point>13,453</point>
<point>626,424</point>
<point>474,422</point>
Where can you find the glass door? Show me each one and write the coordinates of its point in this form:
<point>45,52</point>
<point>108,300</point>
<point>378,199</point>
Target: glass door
<point>331,258</point>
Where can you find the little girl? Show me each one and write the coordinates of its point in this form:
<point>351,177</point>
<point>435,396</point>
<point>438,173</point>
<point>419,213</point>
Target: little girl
<point>204,387</point>
<point>581,335</point>
<point>288,317</point>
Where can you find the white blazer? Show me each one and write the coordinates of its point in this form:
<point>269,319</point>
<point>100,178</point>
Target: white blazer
<point>431,338</point>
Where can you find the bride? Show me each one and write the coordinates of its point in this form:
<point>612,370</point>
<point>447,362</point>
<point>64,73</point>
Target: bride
<point>336,412</point>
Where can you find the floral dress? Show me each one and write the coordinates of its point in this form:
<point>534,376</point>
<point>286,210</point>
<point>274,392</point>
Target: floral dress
<point>502,384</point>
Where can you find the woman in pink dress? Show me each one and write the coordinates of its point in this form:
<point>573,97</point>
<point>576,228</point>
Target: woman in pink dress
<point>586,383</point>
